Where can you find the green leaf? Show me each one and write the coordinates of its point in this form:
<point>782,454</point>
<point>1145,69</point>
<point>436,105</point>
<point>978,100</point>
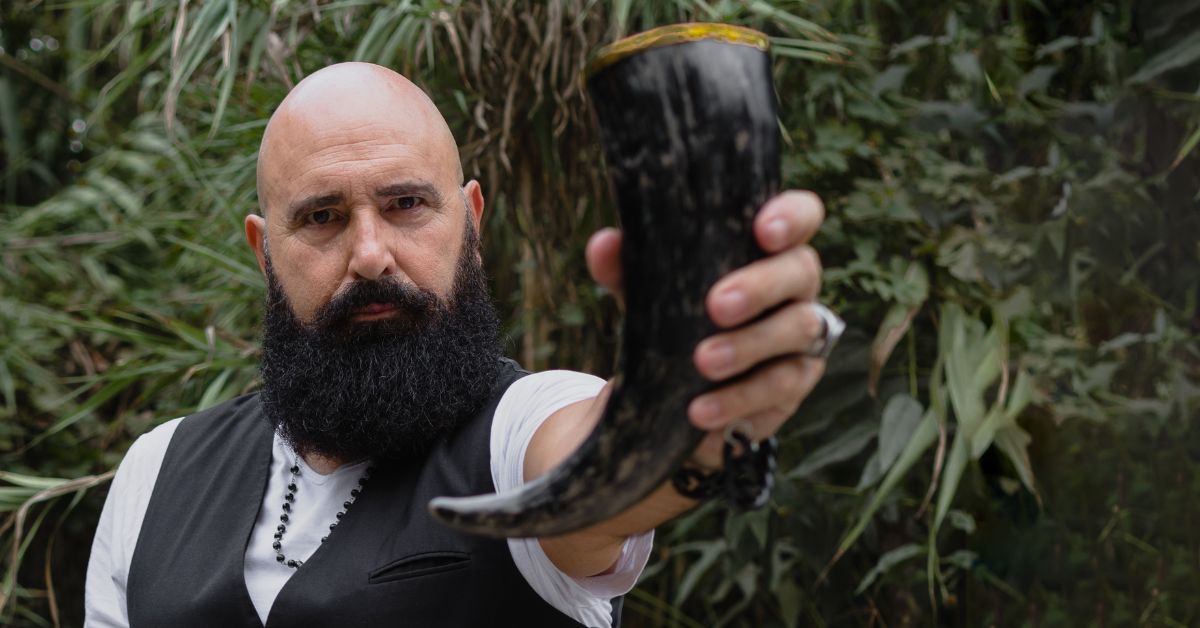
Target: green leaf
<point>1186,149</point>
<point>792,22</point>
<point>1181,55</point>
<point>710,551</point>
<point>922,438</point>
<point>106,392</point>
<point>901,418</point>
<point>891,79</point>
<point>1036,80</point>
<point>962,520</point>
<point>847,445</point>
<point>966,64</point>
<point>963,559</point>
<point>889,559</point>
<point>790,597</point>
<point>956,464</point>
<point>1000,418</point>
<point>30,481</point>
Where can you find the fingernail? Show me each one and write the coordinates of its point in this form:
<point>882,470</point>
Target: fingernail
<point>720,355</point>
<point>733,302</point>
<point>777,231</point>
<point>705,411</point>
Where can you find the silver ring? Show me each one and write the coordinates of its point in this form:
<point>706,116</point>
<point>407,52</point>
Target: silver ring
<point>831,329</point>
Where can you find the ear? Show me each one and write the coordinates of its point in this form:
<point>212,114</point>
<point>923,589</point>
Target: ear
<point>256,233</point>
<point>475,202</point>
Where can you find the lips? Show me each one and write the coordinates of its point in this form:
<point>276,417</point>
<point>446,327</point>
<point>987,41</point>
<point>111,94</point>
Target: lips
<point>375,310</point>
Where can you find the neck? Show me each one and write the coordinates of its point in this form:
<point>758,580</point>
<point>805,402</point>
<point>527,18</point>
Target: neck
<point>322,464</point>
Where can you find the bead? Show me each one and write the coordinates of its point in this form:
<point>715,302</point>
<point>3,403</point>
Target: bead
<point>290,499</point>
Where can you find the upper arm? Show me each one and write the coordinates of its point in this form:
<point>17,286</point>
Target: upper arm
<point>118,528</point>
<point>562,433</point>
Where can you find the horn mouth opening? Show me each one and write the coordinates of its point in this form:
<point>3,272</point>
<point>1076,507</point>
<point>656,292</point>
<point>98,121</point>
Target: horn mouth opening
<point>670,35</point>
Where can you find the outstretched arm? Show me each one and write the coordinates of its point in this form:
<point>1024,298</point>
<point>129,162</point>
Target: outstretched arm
<point>766,353</point>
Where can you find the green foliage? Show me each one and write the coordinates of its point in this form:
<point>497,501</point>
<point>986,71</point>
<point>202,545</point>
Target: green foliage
<point>1006,436</point>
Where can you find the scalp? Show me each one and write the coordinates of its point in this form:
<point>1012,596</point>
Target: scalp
<point>343,99</point>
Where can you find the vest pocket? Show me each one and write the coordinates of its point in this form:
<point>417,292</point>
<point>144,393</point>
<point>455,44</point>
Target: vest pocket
<point>417,565</point>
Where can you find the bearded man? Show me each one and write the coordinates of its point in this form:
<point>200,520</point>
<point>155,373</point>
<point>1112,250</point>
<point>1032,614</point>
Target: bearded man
<point>384,386</point>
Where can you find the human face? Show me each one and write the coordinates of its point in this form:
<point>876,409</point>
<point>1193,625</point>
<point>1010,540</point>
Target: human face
<point>367,189</point>
<point>384,389</point>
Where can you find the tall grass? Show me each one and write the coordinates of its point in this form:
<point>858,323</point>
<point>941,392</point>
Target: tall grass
<point>1006,435</point>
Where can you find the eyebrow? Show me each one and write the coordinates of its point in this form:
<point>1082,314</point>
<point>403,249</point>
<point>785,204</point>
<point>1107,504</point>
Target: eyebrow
<point>312,203</point>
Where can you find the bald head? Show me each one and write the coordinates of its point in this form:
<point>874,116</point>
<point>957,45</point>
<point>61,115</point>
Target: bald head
<point>347,106</point>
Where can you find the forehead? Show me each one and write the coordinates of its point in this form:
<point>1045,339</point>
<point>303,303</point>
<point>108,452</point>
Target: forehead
<point>351,128</point>
<point>355,133</point>
<point>323,149</point>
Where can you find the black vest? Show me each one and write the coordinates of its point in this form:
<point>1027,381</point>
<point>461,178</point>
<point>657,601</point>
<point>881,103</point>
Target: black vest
<point>388,563</point>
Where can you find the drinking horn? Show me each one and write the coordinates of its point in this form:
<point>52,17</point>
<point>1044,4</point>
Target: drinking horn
<point>690,135</point>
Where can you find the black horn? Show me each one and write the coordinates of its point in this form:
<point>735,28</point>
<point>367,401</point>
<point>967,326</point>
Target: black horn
<point>687,119</point>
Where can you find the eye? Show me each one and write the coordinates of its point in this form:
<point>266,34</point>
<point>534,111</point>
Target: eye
<point>405,202</point>
<point>320,217</point>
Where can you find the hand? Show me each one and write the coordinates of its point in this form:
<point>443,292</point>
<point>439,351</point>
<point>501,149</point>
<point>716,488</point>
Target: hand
<point>771,377</point>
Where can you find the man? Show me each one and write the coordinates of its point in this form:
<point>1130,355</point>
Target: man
<point>383,386</point>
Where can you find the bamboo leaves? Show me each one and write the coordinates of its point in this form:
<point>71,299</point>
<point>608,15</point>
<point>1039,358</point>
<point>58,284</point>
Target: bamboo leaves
<point>1035,167</point>
<point>971,360</point>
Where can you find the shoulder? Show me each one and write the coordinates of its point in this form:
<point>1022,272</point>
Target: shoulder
<point>145,456</point>
<point>523,409</point>
<point>121,521</point>
<point>139,470</point>
<point>550,388</point>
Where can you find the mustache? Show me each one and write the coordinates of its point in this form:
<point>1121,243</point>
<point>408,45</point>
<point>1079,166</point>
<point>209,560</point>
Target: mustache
<point>414,304</point>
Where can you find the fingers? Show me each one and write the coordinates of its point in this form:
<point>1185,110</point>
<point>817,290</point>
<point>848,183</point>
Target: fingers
<point>774,378</point>
<point>767,396</point>
<point>603,255</point>
<point>793,329</point>
<point>710,454</point>
<point>788,219</point>
<point>794,274</point>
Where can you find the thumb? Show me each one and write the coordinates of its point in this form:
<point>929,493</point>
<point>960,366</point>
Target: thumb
<point>603,256</point>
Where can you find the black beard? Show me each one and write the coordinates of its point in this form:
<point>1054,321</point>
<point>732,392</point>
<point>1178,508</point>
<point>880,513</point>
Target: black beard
<point>388,389</point>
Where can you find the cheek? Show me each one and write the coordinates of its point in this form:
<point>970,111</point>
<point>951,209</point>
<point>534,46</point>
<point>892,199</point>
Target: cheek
<point>431,260</point>
<point>308,284</point>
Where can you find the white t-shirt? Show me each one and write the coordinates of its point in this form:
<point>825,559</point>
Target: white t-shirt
<point>522,409</point>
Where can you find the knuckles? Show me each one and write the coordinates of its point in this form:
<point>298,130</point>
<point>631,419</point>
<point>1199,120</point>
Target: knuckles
<point>784,378</point>
<point>810,269</point>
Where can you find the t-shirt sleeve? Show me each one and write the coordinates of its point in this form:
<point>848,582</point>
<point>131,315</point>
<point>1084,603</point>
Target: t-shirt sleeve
<point>117,532</point>
<point>525,405</point>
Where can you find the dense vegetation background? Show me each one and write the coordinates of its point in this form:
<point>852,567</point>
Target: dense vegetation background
<point>1008,435</point>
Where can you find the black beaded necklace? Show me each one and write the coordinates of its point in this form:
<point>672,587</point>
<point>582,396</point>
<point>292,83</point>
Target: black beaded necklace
<point>290,498</point>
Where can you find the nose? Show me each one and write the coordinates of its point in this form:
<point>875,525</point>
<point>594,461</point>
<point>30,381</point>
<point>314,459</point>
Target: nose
<point>370,257</point>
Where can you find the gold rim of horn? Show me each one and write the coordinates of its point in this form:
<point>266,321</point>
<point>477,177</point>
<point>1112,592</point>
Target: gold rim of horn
<point>670,35</point>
